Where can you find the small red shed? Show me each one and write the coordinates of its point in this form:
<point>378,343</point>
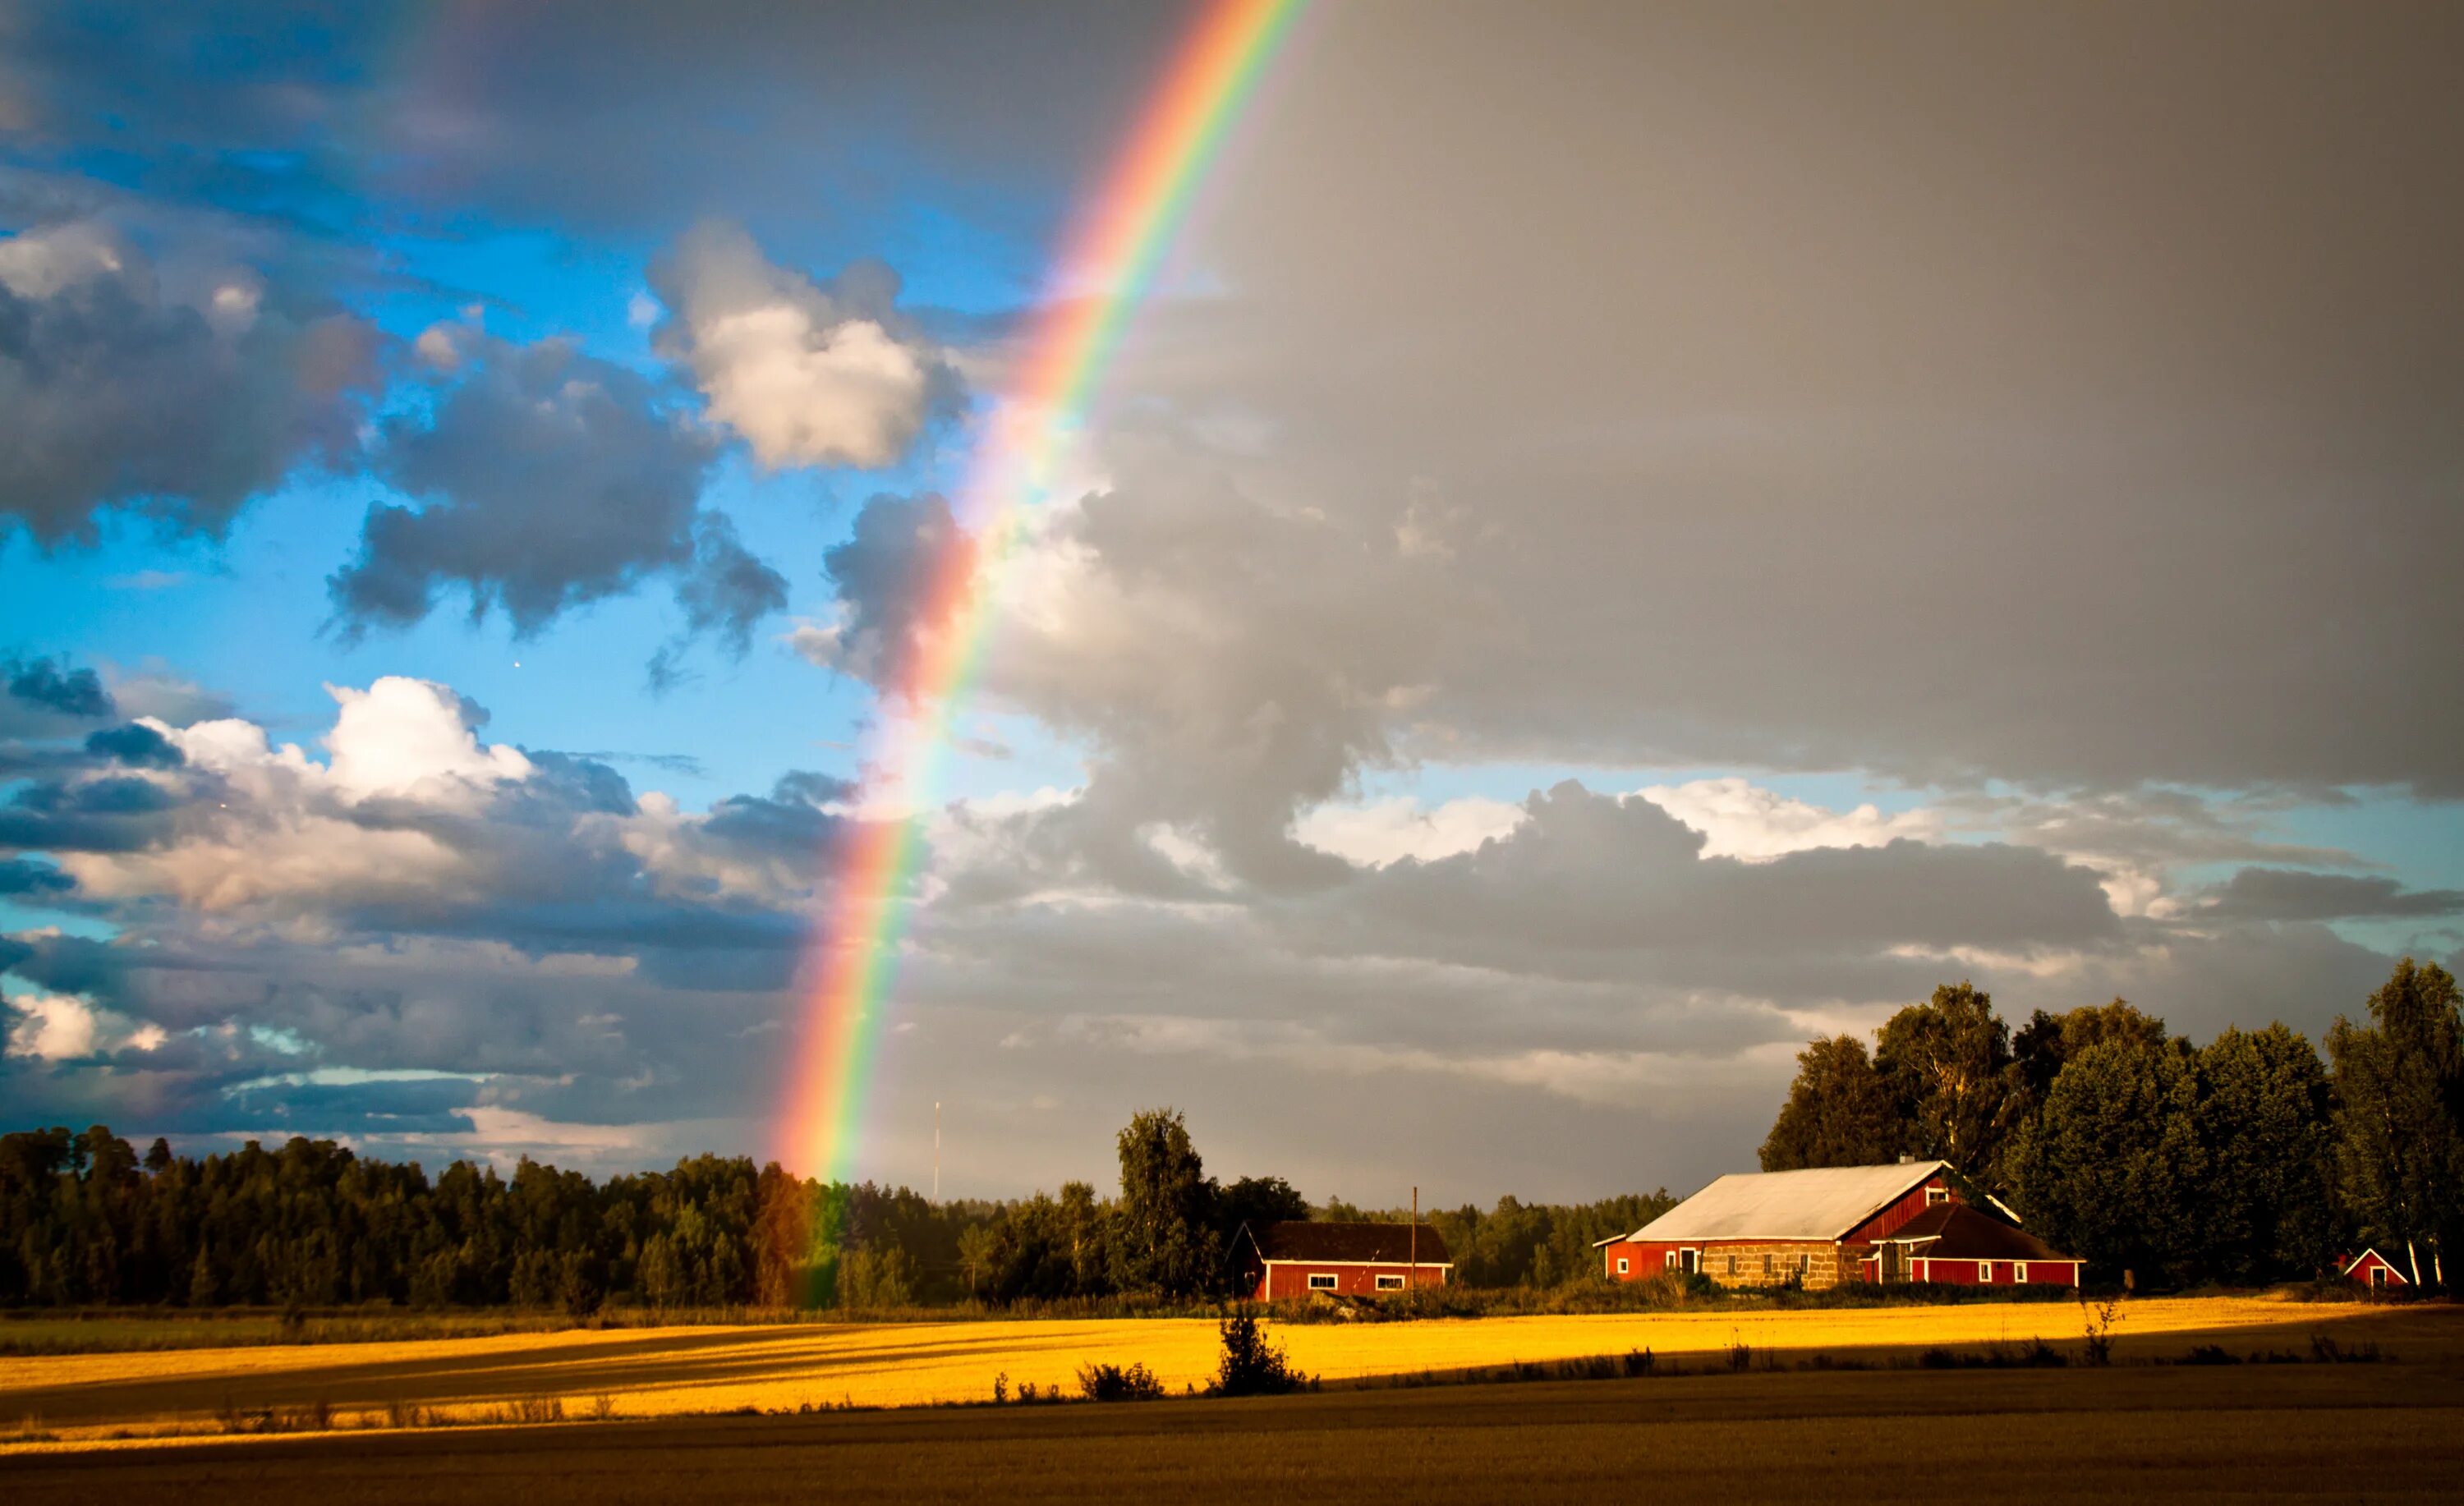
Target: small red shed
<point>2373,1269</point>
<point>1296,1259</point>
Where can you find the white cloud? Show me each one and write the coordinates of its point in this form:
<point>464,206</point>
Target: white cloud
<point>1739,819</point>
<point>61,1027</point>
<point>402,736</point>
<point>1374,834</point>
<point>809,376</point>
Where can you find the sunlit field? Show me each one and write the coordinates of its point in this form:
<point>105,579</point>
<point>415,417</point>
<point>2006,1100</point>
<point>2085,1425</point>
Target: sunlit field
<point>2387,1432</point>
<point>620,1373</point>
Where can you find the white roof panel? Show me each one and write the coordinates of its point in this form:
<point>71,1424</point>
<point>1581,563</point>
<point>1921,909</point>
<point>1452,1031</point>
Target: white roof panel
<point>1821,1203</point>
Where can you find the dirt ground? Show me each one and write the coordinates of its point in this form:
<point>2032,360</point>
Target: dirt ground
<point>2391,1432</point>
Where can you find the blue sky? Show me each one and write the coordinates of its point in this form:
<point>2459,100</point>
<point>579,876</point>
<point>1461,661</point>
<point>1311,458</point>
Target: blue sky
<point>1615,551</point>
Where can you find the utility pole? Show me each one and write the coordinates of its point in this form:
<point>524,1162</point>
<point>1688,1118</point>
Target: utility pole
<point>1412,1282</point>
<point>937,1152</point>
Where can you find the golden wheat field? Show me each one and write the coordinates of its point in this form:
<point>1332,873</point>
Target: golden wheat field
<point>635,1373</point>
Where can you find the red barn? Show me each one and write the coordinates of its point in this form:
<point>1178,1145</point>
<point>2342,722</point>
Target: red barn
<point>1295,1259</point>
<point>2372,1268</point>
<point>1827,1225</point>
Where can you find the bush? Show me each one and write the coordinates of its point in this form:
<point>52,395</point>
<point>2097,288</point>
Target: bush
<point>1251,1366</point>
<point>1111,1383</point>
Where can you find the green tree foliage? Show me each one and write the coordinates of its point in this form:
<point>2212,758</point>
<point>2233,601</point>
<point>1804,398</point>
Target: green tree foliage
<point>1949,1065</point>
<point>1164,1240</point>
<point>2110,1170</point>
<point>1536,1244</point>
<point>1840,1111</point>
<point>2266,1209</point>
<point>2400,1125</point>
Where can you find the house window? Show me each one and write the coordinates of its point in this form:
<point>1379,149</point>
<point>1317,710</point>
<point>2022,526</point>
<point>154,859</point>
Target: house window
<point>2019,1273</point>
<point>1984,1271</point>
<point>1390,1283</point>
<point>1321,1280</point>
<point>1625,1265</point>
<point>1937,1195</point>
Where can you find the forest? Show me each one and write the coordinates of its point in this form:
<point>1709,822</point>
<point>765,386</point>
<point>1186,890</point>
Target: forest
<point>2246,1159</point>
<point>84,1220</point>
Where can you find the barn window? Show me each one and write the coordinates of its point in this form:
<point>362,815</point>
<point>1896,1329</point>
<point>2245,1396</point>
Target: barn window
<point>1767,1263</point>
<point>1390,1283</point>
<point>1671,1261</point>
<point>2019,1273</point>
<point>1321,1280</point>
<point>1732,1265</point>
<point>1984,1271</point>
<point>1937,1195</point>
<point>1625,1265</point>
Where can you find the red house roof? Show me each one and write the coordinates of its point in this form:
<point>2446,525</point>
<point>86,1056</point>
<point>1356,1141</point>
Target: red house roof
<point>1350,1244</point>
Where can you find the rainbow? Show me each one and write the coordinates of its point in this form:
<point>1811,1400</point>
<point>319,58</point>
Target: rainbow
<point>1110,257</point>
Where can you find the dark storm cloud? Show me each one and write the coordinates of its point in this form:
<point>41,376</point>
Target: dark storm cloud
<point>636,115</point>
<point>112,813</point>
<point>24,876</point>
<point>1960,393</point>
<point>113,393</point>
<point>1598,885</point>
<point>2282,894</point>
<point>44,686</point>
<point>524,441</point>
<point>532,439</point>
<point>135,744</point>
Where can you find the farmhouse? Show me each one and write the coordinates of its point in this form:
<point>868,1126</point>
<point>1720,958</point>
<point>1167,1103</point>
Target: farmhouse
<point>1902,1222</point>
<point>1295,1259</point>
<point>2372,1268</point>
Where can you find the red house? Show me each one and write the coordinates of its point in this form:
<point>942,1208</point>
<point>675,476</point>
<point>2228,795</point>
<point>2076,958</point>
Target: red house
<point>1953,1242</point>
<point>1827,1225</point>
<point>2372,1268</point>
<point>1296,1259</point>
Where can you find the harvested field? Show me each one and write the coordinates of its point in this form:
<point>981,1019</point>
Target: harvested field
<point>787,1367</point>
<point>2392,1432</point>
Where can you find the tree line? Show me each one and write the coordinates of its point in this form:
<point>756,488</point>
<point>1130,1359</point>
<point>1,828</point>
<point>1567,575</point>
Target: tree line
<point>2245,1160</point>
<point>85,1220</point>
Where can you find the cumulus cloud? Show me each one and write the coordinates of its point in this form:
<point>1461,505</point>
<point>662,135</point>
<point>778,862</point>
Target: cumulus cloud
<point>547,479</point>
<point>117,392</point>
<point>59,1027</point>
<point>808,374</point>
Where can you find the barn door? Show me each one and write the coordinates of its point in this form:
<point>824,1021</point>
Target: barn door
<point>1689,1262</point>
<point>1894,1262</point>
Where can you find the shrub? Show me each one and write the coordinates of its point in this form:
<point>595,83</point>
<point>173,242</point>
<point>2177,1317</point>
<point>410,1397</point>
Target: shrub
<point>1112,1383</point>
<point>1252,1366</point>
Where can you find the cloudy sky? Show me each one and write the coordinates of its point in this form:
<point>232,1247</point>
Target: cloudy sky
<point>1627,537</point>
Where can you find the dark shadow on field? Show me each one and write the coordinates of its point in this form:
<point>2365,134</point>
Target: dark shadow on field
<point>2291,1432</point>
<point>681,1359</point>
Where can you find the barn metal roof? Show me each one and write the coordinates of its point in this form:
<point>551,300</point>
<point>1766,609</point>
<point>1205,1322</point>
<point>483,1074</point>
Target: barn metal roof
<point>1821,1203</point>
